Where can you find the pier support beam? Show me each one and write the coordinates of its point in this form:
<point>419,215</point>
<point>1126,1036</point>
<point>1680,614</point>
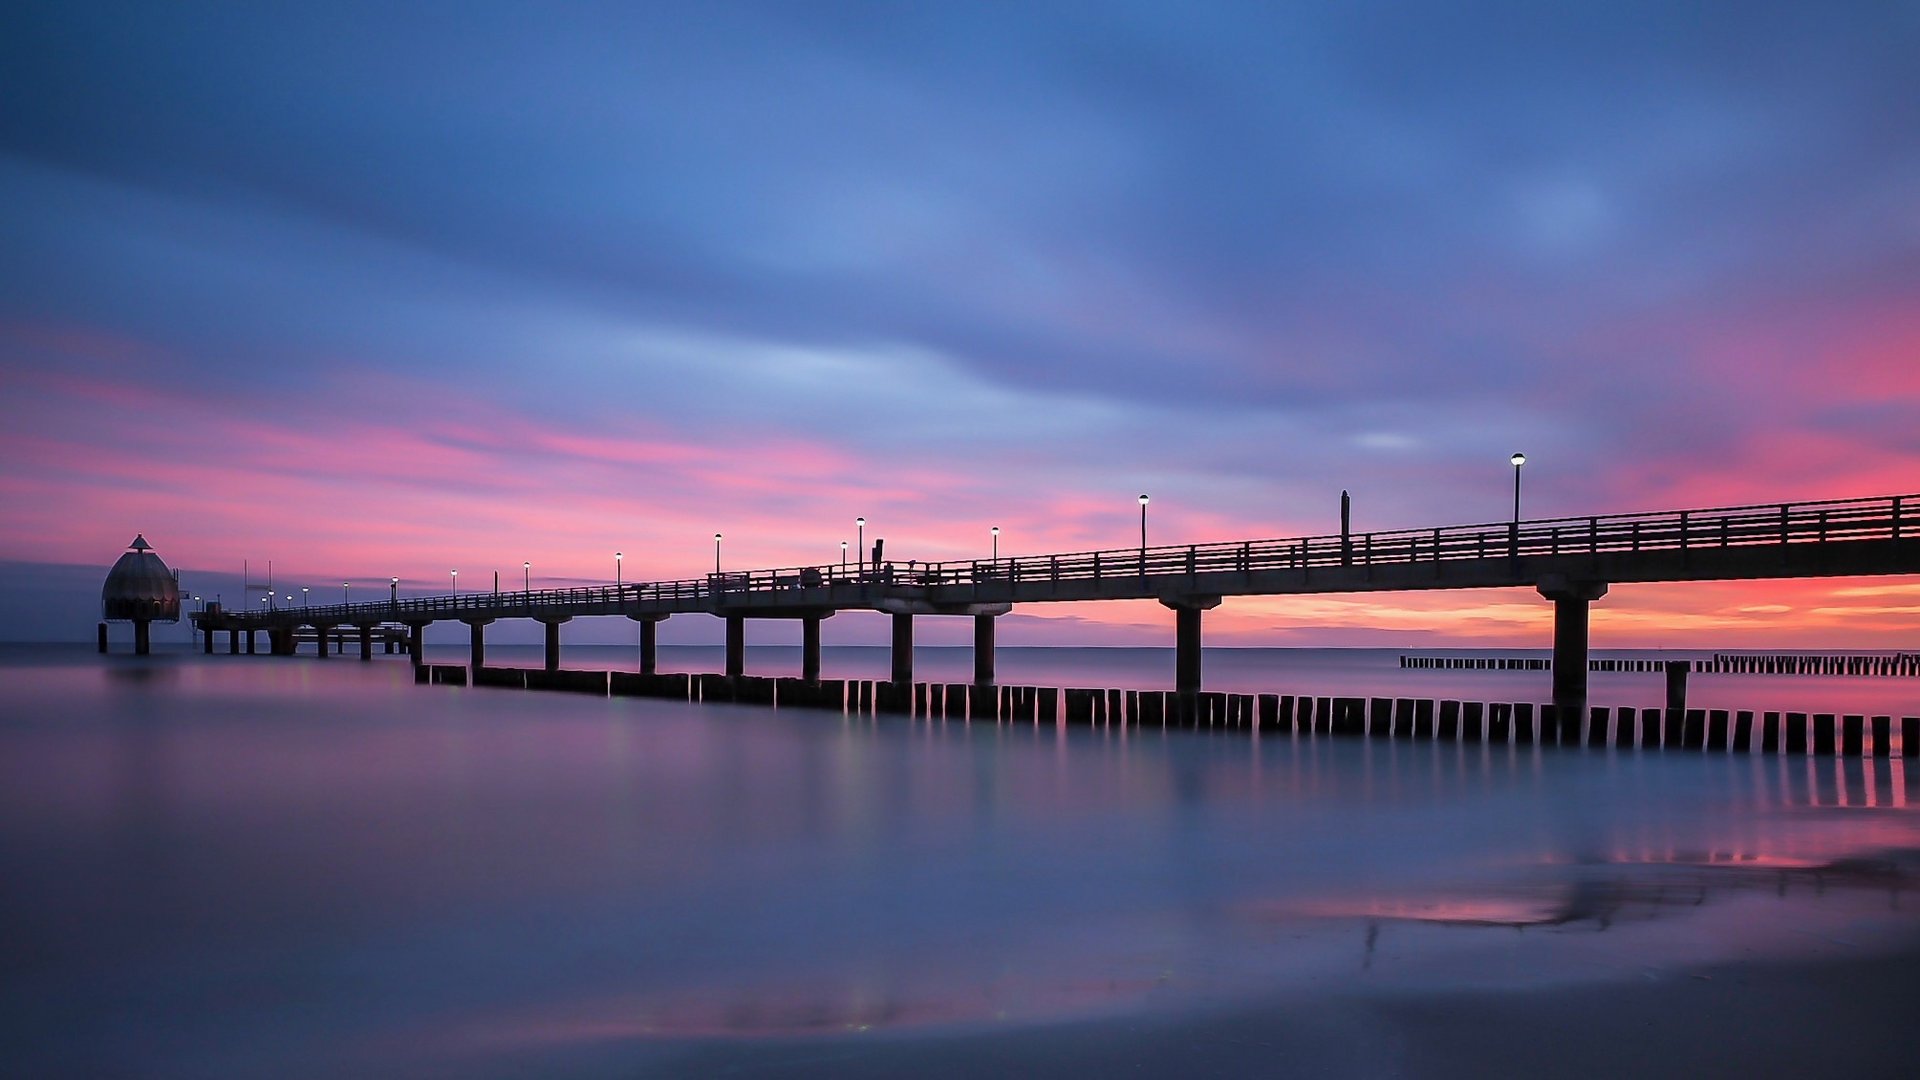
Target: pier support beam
<point>649,642</point>
<point>250,634</point>
<point>1570,602</point>
<point>207,635</point>
<point>736,646</point>
<point>1186,653</point>
<point>320,636</point>
<point>553,642</point>
<point>103,638</point>
<point>142,639</point>
<point>903,648</point>
<point>416,643</point>
<point>477,638</point>
<point>810,649</point>
<point>366,643</point>
<point>233,643</point>
<point>983,650</point>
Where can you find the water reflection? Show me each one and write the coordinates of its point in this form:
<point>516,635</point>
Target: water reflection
<point>395,879</point>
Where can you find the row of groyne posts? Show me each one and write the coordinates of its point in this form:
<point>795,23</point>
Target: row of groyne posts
<point>1674,727</point>
<point>285,641</point>
<point>1869,664</point>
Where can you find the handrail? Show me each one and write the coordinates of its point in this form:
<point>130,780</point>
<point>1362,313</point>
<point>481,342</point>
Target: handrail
<point>1831,520</point>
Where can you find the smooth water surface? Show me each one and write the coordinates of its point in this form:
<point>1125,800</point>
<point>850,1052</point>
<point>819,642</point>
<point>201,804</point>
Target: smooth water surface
<point>250,866</point>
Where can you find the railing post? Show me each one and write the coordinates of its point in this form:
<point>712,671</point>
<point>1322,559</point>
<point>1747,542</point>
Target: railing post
<point>1190,563</point>
<point>1785,512</point>
<point>1823,526</point>
<point>1593,536</point>
<point>1896,516</point>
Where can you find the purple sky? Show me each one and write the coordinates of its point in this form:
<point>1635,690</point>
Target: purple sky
<point>391,289</point>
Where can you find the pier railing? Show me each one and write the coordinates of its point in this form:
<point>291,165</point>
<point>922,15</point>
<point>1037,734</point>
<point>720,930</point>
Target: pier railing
<point>1885,518</point>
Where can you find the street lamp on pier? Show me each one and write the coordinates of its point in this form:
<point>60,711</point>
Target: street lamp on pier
<point>1143,526</point>
<point>996,543</point>
<point>843,558</point>
<point>526,576</point>
<point>716,553</point>
<point>616,569</point>
<point>861,524</point>
<point>303,598</point>
<point>456,581</point>
<point>393,595</point>
<point>344,586</point>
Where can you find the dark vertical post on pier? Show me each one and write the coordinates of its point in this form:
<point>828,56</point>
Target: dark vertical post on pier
<point>1570,602</point>
<point>1346,529</point>
<point>553,644</point>
<point>983,650</point>
<point>810,648</point>
<point>102,635</point>
<point>477,637</point>
<point>736,646</point>
<point>902,648</point>
<point>1186,677</point>
<point>320,636</point>
<point>416,643</point>
<point>366,642</point>
<point>142,640</point>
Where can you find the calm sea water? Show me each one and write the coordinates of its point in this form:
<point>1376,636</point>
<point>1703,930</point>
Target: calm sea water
<point>250,866</point>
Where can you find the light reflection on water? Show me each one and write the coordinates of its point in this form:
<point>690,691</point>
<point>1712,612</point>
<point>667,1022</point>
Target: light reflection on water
<point>231,866</point>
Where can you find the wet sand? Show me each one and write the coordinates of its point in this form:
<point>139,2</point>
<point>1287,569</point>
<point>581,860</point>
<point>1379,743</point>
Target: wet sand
<point>1849,1017</point>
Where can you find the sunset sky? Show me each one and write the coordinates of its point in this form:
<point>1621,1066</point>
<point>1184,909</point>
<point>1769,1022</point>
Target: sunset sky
<point>389,289</point>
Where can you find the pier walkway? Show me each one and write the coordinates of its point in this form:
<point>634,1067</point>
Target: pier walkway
<point>1568,561</point>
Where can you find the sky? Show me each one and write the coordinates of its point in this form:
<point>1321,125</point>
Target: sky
<point>375,290</point>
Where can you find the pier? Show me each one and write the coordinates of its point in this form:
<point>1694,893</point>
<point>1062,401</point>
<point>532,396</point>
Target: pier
<point>1570,562</point>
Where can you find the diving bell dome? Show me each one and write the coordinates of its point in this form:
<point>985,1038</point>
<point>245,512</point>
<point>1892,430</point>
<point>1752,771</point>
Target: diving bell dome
<point>140,587</point>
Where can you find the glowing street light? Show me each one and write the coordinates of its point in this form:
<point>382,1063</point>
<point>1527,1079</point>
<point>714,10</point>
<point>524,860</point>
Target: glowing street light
<point>861,524</point>
<point>303,597</point>
<point>996,543</point>
<point>1143,525</point>
<point>344,586</point>
<point>394,595</point>
<point>616,569</point>
<point>716,553</point>
<point>1517,460</point>
<point>526,576</point>
<point>456,581</point>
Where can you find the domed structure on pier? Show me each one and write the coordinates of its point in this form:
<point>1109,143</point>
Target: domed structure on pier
<point>140,588</point>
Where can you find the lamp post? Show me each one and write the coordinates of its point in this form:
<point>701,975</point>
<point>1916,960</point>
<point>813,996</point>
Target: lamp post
<point>344,586</point>
<point>1518,460</point>
<point>526,576</point>
<point>716,553</point>
<point>456,581</point>
<point>303,598</point>
<point>861,524</point>
<point>616,569</point>
<point>1143,526</point>
<point>843,558</point>
<point>393,595</point>
<point>996,543</point>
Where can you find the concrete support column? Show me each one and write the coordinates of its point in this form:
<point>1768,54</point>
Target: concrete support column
<point>983,650</point>
<point>207,635</point>
<point>1570,603</point>
<point>416,643</point>
<point>902,648</point>
<point>649,646</point>
<point>553,645</point>
<point>142,640</point>
<point>250,645</point>
<point>366,643</point>
<point>103,638</point>
<point>810,649</point>
<point>1186,653</point>
<point>233,643</point>
<point>320,637</point>
<point>736,646</point>
<point>477,638</point>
